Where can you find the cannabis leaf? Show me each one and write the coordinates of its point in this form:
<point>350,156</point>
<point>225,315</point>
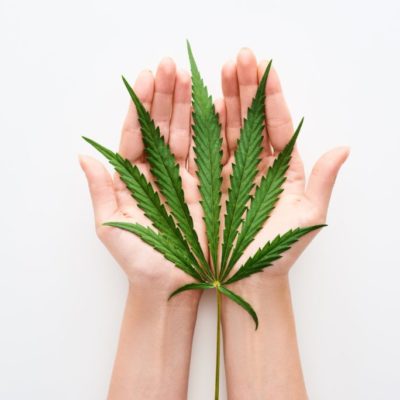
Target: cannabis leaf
<point>208,142</point>
<point>242,303</point>
<point>271,252</point>
<point>244,169</point>
<point>191,286</point>
<point>266,196</point>
<point>166,171</point>
<point>173,233</point>
<point>149,201</point>
<point>161,243</point>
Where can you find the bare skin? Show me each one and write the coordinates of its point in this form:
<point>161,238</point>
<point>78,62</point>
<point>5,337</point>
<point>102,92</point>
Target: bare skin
<point>265,364</point>
<point>155,344</point>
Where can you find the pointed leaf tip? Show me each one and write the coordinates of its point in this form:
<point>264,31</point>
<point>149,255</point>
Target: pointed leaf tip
<point>270,252</point>
<point>131,92</point>
<point>296,134</point>
<point>113,224</point>
<point>188,46</point>
<point>192,61</point>
<point>266,73</point>
<point>126,83</point>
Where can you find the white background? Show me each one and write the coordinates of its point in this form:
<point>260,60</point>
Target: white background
<point>61,293</point>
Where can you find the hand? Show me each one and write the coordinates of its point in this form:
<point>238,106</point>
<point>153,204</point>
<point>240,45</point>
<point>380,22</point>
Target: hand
<point>156,334</point>
<point>265,364</point>
<point>168,98</point>
<point>300,205</point>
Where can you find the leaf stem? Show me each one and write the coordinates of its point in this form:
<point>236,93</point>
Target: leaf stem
<point>218,345</point>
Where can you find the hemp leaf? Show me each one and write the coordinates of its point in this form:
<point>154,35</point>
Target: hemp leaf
<point>173,234</point>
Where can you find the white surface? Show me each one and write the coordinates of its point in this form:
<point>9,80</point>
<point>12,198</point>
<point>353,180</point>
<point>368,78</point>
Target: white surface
<point>62,295</point>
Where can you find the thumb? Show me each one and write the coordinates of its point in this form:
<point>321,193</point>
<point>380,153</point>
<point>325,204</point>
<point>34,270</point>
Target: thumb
<point>323,176</point>
<point>101,188</point>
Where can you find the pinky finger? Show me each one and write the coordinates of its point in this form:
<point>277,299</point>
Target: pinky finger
<point>323,177</point>
<point>101,189</point>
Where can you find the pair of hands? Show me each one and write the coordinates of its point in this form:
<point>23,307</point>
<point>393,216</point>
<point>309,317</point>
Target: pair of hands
<point>167,96</point>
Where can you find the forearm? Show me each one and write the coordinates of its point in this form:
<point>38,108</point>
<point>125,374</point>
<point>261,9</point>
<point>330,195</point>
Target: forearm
<point>264,363</point>
<point>153,356</point>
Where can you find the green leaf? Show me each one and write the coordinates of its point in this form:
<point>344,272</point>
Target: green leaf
<point>239,300</point>
<point>166,172</point>
<point>191,286</point>
<point>147,198</point>
<point>207,147</point>
<point>160,243</point>
<point>271,252</point>
<point>264,201</point>
<point>247,158</point>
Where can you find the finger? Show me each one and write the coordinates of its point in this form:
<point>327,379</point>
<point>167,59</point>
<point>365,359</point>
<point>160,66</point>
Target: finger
<point>230,90</point>
<point>125,200</point>
<point>279,121</point>
<point>161,108</point>
<point>323,176</point>
<point>295,176</point>
<point>122,193</point>
<point>266,143</point>
<point>247,71</point>
<point>131,144</point>
<point>101,189</point>
<point>280,129</point>
<point>221,111</point>
<point>179,136</point>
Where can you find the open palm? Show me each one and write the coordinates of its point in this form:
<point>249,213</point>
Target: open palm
<point>300,205</point>
<point>168,98</point>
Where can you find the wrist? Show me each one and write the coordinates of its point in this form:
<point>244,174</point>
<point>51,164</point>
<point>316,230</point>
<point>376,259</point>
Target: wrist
<point>261,288</point>
<point>262,363</point>
<point>157,298</point>
<point>153,357</point>
<point>270,298</point>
